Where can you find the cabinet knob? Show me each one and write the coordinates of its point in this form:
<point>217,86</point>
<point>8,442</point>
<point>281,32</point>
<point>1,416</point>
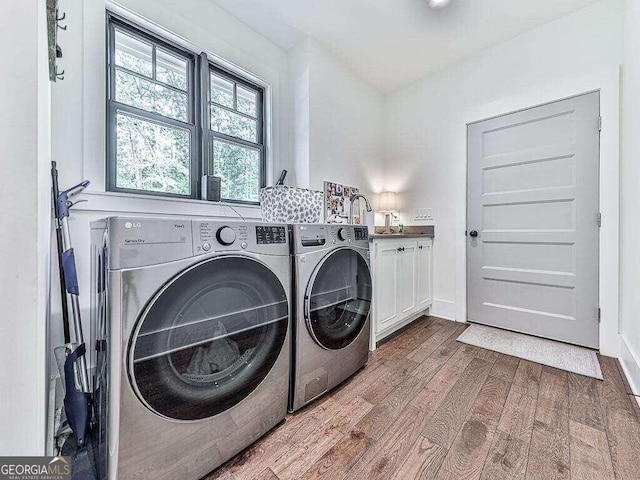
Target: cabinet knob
<point>401,249</point>
<point>421,247</point>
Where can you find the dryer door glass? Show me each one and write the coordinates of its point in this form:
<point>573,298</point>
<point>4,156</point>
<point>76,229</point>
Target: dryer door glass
<point>338,299</point>
<point>209,338</point>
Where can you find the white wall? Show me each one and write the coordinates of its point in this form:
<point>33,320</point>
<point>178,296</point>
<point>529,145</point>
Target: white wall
<point>423,119</point>
<point>24,122</point>
<point>337,122</point>
<point>630,198</point>
<point>300,85</point>
<point>346,121</point>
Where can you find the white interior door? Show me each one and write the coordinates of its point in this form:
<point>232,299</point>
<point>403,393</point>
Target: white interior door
<point>532,219</point>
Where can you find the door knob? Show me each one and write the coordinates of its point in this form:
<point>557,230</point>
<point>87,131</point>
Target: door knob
<point>473,233</point>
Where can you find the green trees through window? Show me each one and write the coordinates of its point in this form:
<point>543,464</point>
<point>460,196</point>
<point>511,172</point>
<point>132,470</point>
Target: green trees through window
<point>166,130</point>
<point>236,134</point>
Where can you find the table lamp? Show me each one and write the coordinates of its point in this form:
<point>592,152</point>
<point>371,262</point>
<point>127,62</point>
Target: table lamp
<point>388,203</point>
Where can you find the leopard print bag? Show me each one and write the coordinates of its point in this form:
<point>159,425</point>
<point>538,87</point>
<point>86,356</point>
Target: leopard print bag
<point>284,204</point>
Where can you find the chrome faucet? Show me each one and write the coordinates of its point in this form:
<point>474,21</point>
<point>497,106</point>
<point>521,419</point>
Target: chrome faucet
<point>353,198</point>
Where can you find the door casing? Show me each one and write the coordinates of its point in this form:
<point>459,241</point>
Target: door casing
<point>607,81</point>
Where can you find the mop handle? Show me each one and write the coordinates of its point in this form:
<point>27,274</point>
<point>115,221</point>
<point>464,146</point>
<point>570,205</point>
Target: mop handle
<point>68,257</point>
<point>58,229</point>
<point>64,204</point>
<point>71,274</point>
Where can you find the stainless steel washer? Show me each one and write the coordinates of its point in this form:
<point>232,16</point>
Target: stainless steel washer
<point>332,290</point>
<point>191,327</point>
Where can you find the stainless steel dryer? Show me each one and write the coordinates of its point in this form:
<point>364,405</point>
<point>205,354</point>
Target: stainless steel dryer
<point>191,327</point>
<point>332,285</point>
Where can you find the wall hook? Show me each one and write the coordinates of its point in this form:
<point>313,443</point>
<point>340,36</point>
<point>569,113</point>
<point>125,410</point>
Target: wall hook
<point>59,19</point>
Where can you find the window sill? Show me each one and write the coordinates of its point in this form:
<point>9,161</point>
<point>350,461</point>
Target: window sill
<point>115,203</point>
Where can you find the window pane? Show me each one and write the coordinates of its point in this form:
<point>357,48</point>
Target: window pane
<point>150,96</point>
<point>232,124</point>
<point>247,101</point>
<point>171,69</point>
<point>152,157</point>
<point>133,54</point>
<point>239,169</point>
<point>221,91</point>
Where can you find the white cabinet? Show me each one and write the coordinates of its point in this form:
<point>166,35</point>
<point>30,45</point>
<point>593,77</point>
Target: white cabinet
<point>385,268</point>
<point>406,275</point>
<point>423,267</point>
<point>402,276</point>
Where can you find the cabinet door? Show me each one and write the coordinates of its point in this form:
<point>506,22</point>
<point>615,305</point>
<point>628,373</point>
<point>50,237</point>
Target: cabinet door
<point>424,259</point>
<point>385,279</point>
<point>406,278</point>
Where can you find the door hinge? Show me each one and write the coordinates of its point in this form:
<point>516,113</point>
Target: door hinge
<point>599,219</point>
<point>599,315</point>
<point>600,124</point>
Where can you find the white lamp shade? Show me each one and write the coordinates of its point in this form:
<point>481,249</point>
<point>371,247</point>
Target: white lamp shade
<point>388,202</point>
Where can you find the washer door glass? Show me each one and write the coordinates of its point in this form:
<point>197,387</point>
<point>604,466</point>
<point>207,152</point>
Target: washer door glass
<point>338,300</point>
<point>209,338</point>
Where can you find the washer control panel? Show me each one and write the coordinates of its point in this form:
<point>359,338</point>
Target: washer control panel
<point>329,235</point>
<point>348,234</point>
<point>361,233</point>
<point>311,235</point>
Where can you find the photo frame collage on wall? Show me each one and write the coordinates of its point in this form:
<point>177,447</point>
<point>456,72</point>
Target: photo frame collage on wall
<point>337,203</point>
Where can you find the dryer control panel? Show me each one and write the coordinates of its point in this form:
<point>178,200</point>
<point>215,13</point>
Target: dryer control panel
<point>209,236</point>
<point>266,234</point>
<point>216,236</point>
<point>142,241</point>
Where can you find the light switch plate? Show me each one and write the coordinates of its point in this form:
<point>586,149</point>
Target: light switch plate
<point>423,214</point>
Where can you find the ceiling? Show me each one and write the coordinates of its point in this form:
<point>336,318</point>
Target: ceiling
<point>391,43</point>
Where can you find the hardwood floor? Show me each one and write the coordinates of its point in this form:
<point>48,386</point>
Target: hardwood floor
<point>429,407</point>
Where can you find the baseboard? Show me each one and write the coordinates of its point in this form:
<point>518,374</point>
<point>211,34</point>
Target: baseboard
<point>630,366</point>
<point>444,309</point>
<point>393,329</point>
